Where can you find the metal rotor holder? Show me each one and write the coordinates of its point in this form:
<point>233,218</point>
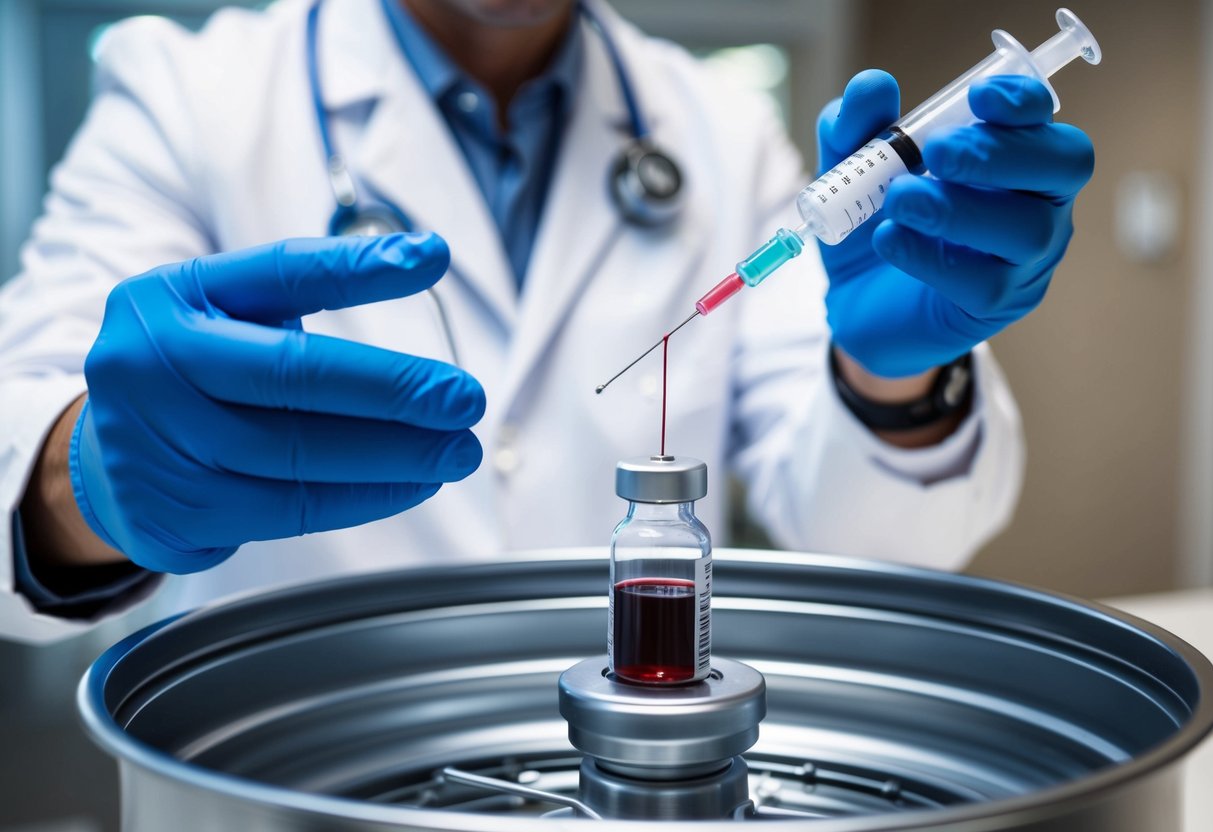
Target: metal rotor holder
<point>664,752</point>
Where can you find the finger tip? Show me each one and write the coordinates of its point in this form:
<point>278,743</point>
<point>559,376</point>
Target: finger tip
<point>434,246</point>
<point>409,495</point>
<point>871,80</point>
<point>471,398</point>
<point>916,203</point>
<point>886,240</point>
<point>477,405</point>
<point>426,490</point>
<point>439,396</point>
<point>425,255</point>
<point>941,153</point>
<point>1012,100</point>
<point>874,91</point>
<point>464,455</point>
<point>870,103</point>
<point>827,117</point>
<point>826,120</point>
<point>903,186</point>
<point>1083,150</point>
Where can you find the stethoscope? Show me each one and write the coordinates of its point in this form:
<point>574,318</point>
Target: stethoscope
<point>644,182</point>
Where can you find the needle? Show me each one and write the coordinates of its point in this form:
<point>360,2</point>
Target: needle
<point>604,386</point>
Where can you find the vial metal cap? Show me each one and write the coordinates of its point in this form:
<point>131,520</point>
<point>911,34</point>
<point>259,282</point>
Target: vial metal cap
<point>661,479</point>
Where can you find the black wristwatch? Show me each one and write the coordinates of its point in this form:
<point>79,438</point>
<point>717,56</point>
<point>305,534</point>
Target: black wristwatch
<point>951,392</point>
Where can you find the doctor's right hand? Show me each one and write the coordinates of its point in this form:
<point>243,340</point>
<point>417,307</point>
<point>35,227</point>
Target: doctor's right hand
<point>213,419</point>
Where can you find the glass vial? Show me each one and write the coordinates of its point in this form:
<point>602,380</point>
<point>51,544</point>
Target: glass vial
<point>660,627</point>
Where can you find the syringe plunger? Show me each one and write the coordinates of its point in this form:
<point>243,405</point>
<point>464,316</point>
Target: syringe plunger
<point>1073,41</point>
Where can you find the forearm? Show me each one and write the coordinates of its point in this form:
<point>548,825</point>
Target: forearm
<point>56,534</point>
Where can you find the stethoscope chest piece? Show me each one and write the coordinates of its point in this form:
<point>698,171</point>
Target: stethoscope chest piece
<point>646,185</point>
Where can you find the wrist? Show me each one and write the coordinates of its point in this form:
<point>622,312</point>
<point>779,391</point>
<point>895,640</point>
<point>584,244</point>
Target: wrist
<point>882,389</point>
<point>912,412</point>
<point>56,533</point>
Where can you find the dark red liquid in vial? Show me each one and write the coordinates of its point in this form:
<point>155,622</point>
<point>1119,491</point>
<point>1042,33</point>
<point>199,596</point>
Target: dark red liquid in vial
<point>654,638</point>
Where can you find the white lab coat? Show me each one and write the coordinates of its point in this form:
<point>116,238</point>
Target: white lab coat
<point>198,143</point>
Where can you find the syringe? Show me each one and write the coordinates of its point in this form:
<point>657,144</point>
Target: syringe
<point>851,192</point>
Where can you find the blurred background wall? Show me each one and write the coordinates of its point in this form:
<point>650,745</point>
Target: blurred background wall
<point>1099,369</point>
<point>1114,374</point>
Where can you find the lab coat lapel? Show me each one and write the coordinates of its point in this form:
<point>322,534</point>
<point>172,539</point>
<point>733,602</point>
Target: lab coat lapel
<point>580,224</point>
<point>407,156</point>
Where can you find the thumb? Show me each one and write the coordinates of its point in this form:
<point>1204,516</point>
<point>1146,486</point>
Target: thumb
<point>290,278</point>
<point>869,104</point>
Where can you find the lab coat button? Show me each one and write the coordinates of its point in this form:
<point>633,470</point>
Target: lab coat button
<point>505,460</point>
<point>505,456</point>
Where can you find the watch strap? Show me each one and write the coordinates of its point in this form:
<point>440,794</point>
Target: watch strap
<point>952,391</point>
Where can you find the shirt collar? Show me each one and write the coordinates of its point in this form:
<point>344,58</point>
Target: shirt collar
<point>564,71</point>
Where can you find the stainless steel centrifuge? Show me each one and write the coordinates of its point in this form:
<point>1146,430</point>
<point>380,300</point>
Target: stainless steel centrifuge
<point>896,698</point>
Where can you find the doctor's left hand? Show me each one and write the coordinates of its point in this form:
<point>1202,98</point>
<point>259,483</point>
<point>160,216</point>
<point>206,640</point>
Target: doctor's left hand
<point>952,259</point>
<point>213,419</point>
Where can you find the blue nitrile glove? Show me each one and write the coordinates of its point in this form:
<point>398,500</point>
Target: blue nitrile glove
<point>951,260</point>
<point>213,419</point>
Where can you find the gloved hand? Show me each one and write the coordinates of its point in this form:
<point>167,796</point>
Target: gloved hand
<point>212,419</point>
<point>951,260</point>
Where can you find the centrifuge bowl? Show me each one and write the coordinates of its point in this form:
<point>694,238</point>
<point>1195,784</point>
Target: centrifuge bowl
<point>898,698</point>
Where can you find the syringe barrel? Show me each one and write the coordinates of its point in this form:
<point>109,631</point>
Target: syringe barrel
<point>949,107</point>
<point>848,195</point>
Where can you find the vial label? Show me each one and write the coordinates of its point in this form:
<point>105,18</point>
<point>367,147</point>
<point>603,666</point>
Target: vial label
<point>703,623</point>
<point>661,628</point>
<point>847,195</point>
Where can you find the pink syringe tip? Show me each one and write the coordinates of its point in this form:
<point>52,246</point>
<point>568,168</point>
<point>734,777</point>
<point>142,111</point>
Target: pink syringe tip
<point>719,293</point>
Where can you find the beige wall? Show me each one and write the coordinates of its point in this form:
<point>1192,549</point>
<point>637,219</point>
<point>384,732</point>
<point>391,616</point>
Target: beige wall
<point>1098,368</point>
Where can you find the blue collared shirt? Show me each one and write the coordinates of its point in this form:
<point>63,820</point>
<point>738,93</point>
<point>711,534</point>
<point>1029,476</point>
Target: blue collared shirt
<point>513,167</point>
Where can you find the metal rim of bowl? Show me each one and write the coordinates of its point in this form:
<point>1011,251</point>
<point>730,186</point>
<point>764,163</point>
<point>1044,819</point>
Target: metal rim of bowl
<point>102,728</point>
